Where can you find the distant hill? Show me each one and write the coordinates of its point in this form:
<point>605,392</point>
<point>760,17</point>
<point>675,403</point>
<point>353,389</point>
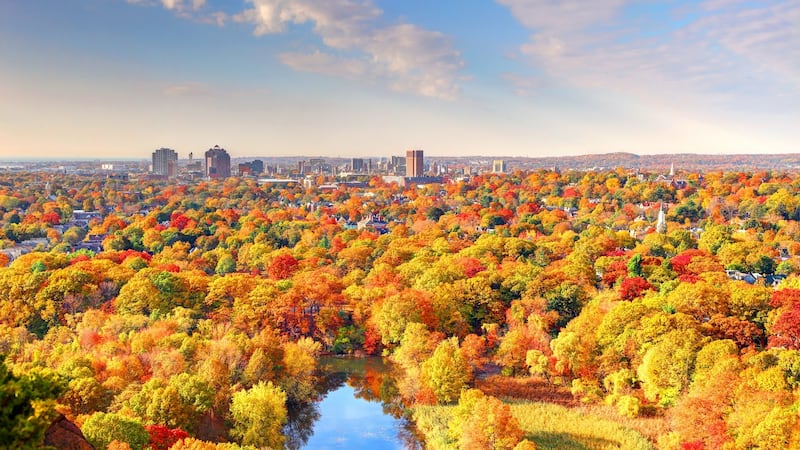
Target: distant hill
<point>682,161</point>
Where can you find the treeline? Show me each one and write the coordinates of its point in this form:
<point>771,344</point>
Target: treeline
<point>201,316</point>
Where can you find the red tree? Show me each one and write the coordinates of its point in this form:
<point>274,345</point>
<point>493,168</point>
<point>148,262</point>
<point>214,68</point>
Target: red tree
<point>786,331</point>
<point>51,218</point>
<point>681,260</point>
<point>178,220</point>
<point>631,288</point>
<point>785,297</point>
<point>282,267</point>
<point>162,438</point>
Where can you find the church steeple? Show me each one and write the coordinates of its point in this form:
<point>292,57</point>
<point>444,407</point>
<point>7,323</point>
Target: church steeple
<point>672,169</point>
<point>661,224</point>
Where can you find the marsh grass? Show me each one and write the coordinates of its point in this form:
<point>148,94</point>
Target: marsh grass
<point>548,425</point>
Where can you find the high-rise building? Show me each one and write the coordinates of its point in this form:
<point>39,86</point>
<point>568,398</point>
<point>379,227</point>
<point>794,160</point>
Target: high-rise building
<point>165,162</point>
<point>218,163</point>
<point>255,167</point>
<point>397,165</point>
<point>414,163</point>
<point>499,166</point>
<point>357,165</point>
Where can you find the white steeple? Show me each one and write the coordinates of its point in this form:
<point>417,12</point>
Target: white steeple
<point>661,224</point>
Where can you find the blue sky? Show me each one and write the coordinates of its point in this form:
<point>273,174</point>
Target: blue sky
<point>119,78</point>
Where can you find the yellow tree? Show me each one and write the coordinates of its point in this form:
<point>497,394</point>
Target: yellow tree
<point>446,372</point>
<point>258,416</point>
<point>481,422</point>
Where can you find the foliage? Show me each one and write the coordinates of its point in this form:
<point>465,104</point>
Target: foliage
<point>26,406</point>
<point>446,372</point>
<point>207,289</point>
<point>100,429</point>
<point>162,438</point>
<point>258,415</point>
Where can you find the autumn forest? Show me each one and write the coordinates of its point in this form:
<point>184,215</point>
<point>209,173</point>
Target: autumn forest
<point>536,309</point>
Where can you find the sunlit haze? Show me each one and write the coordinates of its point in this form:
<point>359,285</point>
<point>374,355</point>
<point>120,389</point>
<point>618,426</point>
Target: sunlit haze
<point>118,79</point>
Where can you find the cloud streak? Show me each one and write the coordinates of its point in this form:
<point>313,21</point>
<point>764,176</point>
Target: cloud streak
<point>727,52</point>
<point>355,43</point>
<point>356,46</point>
<point>195,10</point>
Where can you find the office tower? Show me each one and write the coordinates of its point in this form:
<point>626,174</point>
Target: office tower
<point>357,165</point>
<point>398,165</point>
<point>498,166</point>
<point>414,163</point>
<point>255,167</point>
<point>218,163</point>
<point>165,162</point>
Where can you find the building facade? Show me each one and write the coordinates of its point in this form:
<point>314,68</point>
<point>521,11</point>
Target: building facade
<point>165,162</point>
<point>397,165</point>
<point>255,167</point>
<point>218,163</point>
<point>414,163</point>
<point>498,166</point>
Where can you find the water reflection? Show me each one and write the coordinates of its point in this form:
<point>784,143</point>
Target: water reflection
<point>359,408</point>
<point>300,425</point>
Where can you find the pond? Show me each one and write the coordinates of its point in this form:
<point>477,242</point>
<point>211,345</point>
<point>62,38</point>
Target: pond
<point>360,408</point>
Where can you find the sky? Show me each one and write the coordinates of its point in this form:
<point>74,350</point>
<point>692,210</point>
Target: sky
<point>372,78</point>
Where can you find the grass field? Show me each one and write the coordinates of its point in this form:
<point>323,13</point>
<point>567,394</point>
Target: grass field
<point>548,425</point>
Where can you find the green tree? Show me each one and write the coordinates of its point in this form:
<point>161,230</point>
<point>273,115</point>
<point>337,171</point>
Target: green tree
<point>226,264</point>
<point>635,266</point>
<point>102,428</point>
<point>713,238</point>
<point>177,404</point>
<point>27,405</point>
<point>259,415</point>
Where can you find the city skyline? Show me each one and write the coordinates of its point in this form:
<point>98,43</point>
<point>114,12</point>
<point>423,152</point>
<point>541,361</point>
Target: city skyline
<point>360,78</point>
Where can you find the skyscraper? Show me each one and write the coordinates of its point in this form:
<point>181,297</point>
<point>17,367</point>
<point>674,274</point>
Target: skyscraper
<point>165,161</point>
<point>218,163</point>
<point>498,166</point>
<point>414,163</point>
<point>397,165</point>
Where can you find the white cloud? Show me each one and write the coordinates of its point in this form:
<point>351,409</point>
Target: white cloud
<point>733,54</point>
<point>562,15</point>
<point>404,56</point>
<point>356,44</point>
<point>325,63</point>
<point>768,37</point>
<point>177,5</point>
<point>187,9</point>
